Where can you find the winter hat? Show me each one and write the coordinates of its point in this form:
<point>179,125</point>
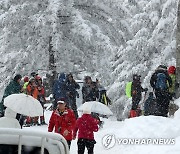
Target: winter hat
<point>136,77</point>
<point>172,70</point>
<point>162,67</point>
<point>31,80</point>
<point>17,77</point>
<point>26,79</point>
<point>33,74</point>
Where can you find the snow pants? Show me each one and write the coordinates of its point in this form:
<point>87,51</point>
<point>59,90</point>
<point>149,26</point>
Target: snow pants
<point>71,103</point>
<point>135,104</point>
<point>162,99</point>
<point>89,144</point>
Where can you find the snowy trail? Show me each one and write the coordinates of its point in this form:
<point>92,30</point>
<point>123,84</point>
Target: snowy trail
<point>143,128</point>
<point>136,128</point>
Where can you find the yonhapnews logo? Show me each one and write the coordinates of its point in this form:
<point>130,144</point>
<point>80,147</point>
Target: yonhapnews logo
<point>108,141</point>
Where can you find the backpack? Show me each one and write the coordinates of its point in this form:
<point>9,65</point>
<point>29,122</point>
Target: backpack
<point>128,89</point>
<point>161,82</point>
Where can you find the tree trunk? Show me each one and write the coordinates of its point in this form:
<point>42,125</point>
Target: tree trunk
<point>178,51</point>
<point>52,68</point>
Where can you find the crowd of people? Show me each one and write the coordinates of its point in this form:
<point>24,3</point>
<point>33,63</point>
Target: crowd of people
<point>65,120</point>
<point>164,85</point>
<point>31,86</point>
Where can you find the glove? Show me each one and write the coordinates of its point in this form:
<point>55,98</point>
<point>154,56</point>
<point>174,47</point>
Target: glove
<point>66,132</point>
<point>101,123</point>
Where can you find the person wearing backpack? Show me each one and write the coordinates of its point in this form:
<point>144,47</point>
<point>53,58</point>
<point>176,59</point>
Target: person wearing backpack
<point>59,90</point>
<point>136,93</point>
<point>160,82</point>
<point>89,90</point>
<point>103,98</point>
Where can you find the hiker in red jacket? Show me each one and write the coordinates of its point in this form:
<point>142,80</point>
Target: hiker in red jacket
<point>86,126</point>
<point>63,120</point>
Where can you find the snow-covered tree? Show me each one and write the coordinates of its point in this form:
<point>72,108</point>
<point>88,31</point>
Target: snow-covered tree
<point>109,39</point>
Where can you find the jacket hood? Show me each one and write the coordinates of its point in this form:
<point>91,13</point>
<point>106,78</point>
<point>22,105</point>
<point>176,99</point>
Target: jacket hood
<point>10,113</point>
<point>62,77</point>
<point>172,70</point>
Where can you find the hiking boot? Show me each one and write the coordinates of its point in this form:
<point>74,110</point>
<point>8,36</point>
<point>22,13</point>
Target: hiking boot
<point>27,125</point>
<point>43,123</point>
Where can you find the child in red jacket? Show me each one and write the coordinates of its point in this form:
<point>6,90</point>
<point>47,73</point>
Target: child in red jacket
<point>86,126</point>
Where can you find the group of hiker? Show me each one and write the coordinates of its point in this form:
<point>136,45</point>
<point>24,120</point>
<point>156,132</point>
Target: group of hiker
<point>66,87</point>
<point>163,83</point>
<point>64,119</point>
<point>31,86</point>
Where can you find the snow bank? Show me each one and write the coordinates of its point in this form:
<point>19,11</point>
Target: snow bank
<point>141,128</point>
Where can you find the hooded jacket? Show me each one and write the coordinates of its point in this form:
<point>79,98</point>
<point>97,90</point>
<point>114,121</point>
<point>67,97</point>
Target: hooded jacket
<point>86,126</point>
<point>90,92</point>
<point>59,90</point>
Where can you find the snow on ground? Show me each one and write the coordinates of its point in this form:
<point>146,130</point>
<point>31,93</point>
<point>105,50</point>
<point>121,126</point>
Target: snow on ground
<point>153,135</point>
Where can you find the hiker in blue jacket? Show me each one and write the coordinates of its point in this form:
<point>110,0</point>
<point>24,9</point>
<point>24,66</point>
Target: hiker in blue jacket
<point>59,90</point>
<point>160,82</point>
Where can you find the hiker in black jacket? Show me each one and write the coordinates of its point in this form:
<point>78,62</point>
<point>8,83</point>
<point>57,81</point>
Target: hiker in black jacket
<point>136,93</point>
<point>160,82</point>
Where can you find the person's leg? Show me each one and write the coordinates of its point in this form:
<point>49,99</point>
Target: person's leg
<point>18,116</point>
<point>74,107</point>
<point>165,102</point>
<point>21,120</point>
<point>135,104</point>
<point>134,107</point>
<point>69,143</point>
<point>90,146</point>
<point>36,121</point>
<point>159,101</point>
<point>81,146</point>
